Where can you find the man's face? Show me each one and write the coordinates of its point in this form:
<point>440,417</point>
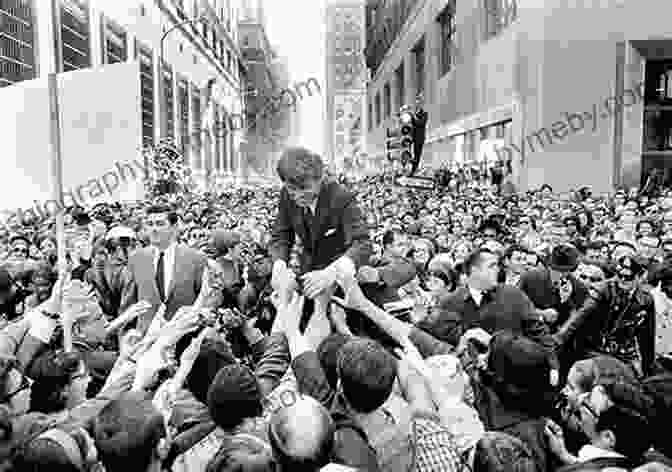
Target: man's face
<point>648,246</point>
<point>489,234</point>
<point>159,229</point>
<point>517,262</point>
<point>304,194</point>
<point>20,249</point>
<point>484,275</point>
<point>41,288</point>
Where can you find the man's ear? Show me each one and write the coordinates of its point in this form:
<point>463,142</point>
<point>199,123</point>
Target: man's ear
<point>608,438</point>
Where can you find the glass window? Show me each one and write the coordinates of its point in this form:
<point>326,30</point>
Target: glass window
<point>387,100</point>
<point>196,116</point>
<point>419,56</point>
<point>144,55</point>
<point>498,15</point>
<point>75,34</point>
<point>17,45</point>
<point>114,43</point>
<point>183,100</point>
<point>168,103</point>
<point>447,30</point>
<point>378,114</point>
<point>370,116</point>
<point>401,86</point>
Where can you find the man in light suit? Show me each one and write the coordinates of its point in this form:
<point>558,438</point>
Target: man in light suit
<point>325,216</point>
<point>166,274</point>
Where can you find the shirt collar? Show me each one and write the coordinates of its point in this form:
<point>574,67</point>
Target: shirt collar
<point>590,452</point>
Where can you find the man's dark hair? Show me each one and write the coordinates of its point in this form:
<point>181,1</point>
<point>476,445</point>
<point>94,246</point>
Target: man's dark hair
<point>327,353</point>
<point>474,259</point>
<point>127,432</point>
<point>367,373</point>
<point>242,454</point>
<point>630,428</point>
<point>298,165</point>
<point>514,248</point>
<point>163,208</point>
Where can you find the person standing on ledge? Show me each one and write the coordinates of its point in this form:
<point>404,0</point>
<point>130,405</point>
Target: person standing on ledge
<point>327,219</point>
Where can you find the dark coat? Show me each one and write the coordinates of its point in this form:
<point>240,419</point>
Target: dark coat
<point>509,309</point>
<point>538,286</point>
<point>338,228</point>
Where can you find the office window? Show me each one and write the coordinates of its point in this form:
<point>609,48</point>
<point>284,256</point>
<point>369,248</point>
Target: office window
<point>419,56</point>
<point>387,99</point>
<point>17,43</point>
<point>144,55</point>
<point>370,116</point>
<point>216,140</point>
<point>401,86</point>
<point>114,43</point>
<point>183,102</point>
<point>168,108</point>
<point>196,117</point>
<point>75,50</point>
<point>498,15</point>
<point>378,114</point>
<point>447,30</point>
<point>223,136</point>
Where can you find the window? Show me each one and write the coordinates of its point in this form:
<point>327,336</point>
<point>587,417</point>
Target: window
<point>168,103</point>
<point>387,99</point>
<point>419,56</point>
<point>223,136</point>
<point>144,55</point>
<point>75,34</point>
<point>498,15</point>
<point>447,30</point>
<point>215,134</point>
<point>183,101</point>
<point>370,116</point>
<point>401,87</point>
<point>17,46</point>
<point>114,43</point>
<point>196,117</point>
<point>378,114</point>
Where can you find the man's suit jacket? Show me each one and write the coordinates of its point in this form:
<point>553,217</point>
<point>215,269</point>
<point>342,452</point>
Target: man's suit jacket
<point>336,229</point>
<point>184,286</point>
<point>509,309</point>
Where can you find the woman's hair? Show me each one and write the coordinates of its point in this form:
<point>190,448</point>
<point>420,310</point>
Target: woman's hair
<point>52,373</point>
<point>46,453</point>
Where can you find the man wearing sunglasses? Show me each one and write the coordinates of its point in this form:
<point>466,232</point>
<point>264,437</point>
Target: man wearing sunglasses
<point>619,319</point>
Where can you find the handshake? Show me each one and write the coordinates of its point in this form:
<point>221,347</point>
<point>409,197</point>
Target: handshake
<point>311,284</point>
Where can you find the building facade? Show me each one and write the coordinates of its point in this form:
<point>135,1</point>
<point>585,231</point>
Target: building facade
<point>345,81</point>
<point>40,37</point>
<point>554,86</point>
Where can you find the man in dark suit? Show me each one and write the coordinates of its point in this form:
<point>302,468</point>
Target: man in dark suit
<point>166,274</point>
<point>483,303</point>
<point>324,216</point>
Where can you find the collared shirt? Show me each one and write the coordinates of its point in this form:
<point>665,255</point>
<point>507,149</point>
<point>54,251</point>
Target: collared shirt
<point>590,452</point>
<point>168,264</point>
<point>477,295</point>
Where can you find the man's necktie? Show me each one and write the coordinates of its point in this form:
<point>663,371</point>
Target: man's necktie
<point>159,277</point>
<point>488,296</point>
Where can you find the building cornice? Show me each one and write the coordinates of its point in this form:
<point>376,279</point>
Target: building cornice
<point>197,41</point>
<point>417,8</point>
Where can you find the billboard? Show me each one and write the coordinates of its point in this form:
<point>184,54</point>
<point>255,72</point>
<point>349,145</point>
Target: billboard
<point>101,138</point>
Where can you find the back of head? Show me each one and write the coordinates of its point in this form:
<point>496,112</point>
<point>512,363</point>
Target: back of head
<point>128,428</point>
<point>500,452</point>
<point>234,396</point>
<point>302,435</point>
<point>367,373</point>
<point>242,454</point>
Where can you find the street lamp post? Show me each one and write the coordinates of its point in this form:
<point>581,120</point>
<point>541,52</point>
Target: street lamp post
<point>165,34</point>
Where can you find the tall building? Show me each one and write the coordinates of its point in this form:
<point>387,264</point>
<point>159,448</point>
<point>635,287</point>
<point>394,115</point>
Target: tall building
<point>554,86</point>
<point>39,37</point>
<point>345,79</point>
<point>263,141</point>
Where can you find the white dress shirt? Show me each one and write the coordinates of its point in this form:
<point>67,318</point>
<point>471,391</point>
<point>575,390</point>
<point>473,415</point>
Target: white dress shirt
<point>477,295</point>
<point>168,265</point>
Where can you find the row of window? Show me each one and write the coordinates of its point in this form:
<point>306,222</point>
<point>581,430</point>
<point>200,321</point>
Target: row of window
<point>17,37</point>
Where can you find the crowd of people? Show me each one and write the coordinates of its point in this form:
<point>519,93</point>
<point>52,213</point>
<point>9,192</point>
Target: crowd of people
<point>323,325</point>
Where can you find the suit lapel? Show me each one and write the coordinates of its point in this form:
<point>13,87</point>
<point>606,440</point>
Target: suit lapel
<point>176,272</point>
<point>321,212</point>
